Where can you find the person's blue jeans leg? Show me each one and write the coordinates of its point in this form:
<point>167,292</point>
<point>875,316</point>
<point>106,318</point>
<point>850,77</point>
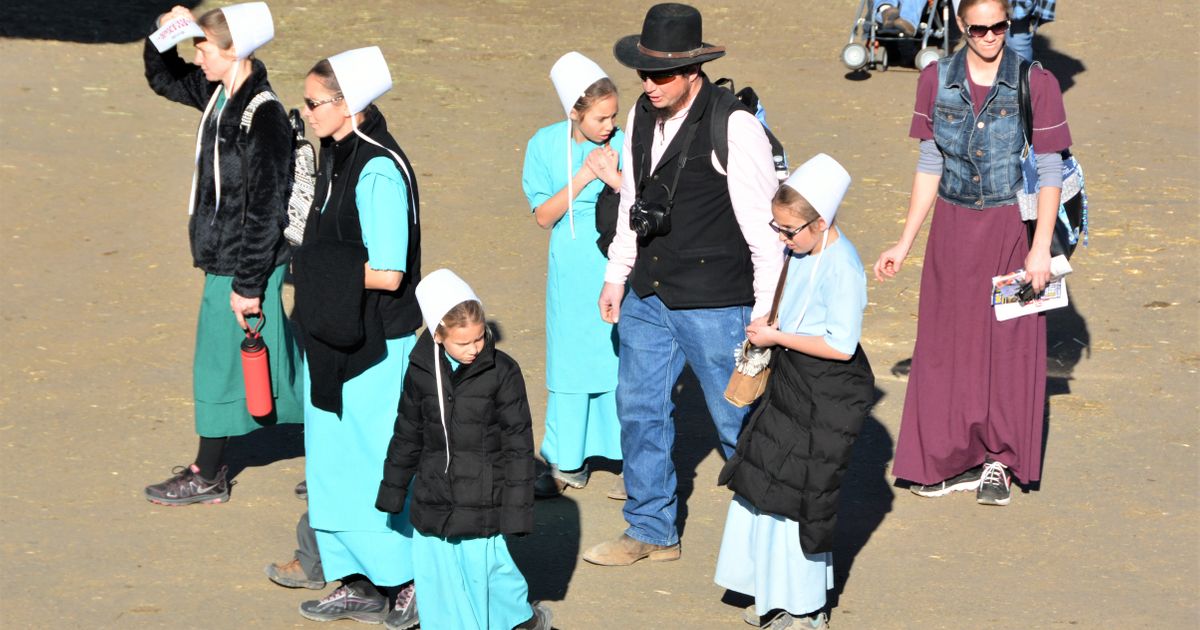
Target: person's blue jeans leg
<point>708,337</point>
<point>1020,37</point>
<point>651,362</point>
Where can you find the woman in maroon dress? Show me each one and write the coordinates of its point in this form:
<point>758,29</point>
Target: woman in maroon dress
<point>974,409</point>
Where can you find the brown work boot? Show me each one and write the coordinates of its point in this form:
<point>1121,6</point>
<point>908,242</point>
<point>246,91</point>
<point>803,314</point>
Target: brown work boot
<point>624,551</point>
<point>292,575</point>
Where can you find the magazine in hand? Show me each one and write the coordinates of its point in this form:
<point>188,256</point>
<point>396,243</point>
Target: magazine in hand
<point>1005,290</point>
<point>173,32</point>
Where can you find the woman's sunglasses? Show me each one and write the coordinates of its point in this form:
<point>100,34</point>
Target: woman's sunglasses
<point>659,78</point>
<point>311,104</point>
<point>979,31</point>
<point>789,233</point>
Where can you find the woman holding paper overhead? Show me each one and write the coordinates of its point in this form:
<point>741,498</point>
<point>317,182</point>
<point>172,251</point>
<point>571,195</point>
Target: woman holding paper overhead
<point>973,413</point>
<point>238,206</point>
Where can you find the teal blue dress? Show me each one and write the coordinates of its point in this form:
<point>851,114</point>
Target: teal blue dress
<point>345,455</point>
<point>581,348</point>
<point>468,583</point>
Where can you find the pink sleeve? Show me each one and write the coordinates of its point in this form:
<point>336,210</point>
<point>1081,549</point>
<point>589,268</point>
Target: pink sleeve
<point>752,184</point>
<point>623,251</point>
<point>1050,131</point>
<point>922,118</point>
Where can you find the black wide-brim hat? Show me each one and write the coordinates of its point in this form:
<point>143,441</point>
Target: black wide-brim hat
<point>670,39</point>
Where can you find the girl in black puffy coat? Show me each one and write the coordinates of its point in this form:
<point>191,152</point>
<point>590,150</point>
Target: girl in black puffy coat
<point>463,446</point>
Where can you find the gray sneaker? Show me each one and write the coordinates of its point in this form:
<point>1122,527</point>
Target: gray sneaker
<point>785,620</point>
<point>995,488</point>
<point>186,487</point>
<point>544,619</point>
<point>404,614</point>
<point>346,603</point>
<point>963,482</point>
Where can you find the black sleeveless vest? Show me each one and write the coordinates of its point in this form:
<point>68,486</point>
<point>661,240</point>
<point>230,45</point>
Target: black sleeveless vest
<point>703,262</point>
<point>342,162</point>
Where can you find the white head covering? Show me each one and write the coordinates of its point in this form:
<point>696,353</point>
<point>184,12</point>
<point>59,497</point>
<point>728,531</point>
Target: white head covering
<point>823,183</point>
<point>437,293</point>
<point>572,75</point>
<point>250,26</point>
<point>363,76</point>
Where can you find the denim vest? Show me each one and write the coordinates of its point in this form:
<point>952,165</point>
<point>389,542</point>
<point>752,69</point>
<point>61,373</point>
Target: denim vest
<point>982,166</point>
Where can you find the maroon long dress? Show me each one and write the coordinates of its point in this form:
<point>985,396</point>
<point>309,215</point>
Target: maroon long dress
<point>977,386</point>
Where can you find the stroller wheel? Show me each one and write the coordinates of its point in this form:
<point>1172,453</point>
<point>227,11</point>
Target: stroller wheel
<point>926,56</point>
<point>881,58</point>
<point>854,55</point>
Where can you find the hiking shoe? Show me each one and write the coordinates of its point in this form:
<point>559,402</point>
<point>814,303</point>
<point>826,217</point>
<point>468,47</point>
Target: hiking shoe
<point>404,614</point>
<point>292,575</point>
<point>186,487</point>
<point>962,482</point>
<point>346,603</point>
<point>625,551</point>
<point>750,615</point>
<point>546,486</point>
<point>995,487</point>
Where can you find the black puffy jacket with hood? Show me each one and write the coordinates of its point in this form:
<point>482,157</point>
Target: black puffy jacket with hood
<point>243,237</point>
<point>487,488</point>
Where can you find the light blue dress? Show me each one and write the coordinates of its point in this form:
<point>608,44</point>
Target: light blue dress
<point>468,583</point>
<point>760,552</point>
<point>345,455</point>
<point>581,348</point>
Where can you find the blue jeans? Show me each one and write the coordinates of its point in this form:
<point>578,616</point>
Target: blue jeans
<point>1020,37</point>
<point>655,343</point>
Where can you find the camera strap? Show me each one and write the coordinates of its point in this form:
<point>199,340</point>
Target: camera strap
<point>688,137</point>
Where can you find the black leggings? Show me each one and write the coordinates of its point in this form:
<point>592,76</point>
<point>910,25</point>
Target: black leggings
<point>210,455</point>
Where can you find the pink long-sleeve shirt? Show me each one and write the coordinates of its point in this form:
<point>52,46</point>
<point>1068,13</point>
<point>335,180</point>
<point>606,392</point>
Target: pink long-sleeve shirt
<point>752,184</point>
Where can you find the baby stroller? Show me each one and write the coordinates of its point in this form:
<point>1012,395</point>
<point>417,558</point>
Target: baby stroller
<point>871,43</point>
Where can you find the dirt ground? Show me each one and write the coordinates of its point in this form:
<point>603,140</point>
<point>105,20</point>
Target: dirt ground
<point>98,300</point>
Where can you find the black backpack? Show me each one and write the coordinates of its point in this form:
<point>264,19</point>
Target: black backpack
<point>728,100</point>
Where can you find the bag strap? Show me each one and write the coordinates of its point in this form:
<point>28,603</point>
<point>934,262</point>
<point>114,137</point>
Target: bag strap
<point>779,289</point>
<point>247,119</point>
<point>252,106</point>
<point>1024,100</point>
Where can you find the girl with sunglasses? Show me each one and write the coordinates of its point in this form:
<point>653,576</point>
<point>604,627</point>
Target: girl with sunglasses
<point>567,166</point>
<point>973,413</point>
<point>237,208</point>
<point>355,274</point>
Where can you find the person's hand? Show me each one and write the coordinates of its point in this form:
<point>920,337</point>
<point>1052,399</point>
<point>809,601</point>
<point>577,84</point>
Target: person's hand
<point>762,334</point>
<point>603,162</point>
<point>890,261</point>
<point>610,302</point>
<point>243,307</point>
<point>176,11</point>
<point>1037,268</point>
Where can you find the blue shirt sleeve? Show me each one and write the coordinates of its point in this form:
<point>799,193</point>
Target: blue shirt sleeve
<point>844,292</point>
<point>536,178</point>
<point>382,199</point>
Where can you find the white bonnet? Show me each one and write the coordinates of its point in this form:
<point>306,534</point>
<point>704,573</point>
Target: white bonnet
<point>823,183</point>
<point>572,74</point>
<point>363,76</point>
<point>440,291</point>
<point>250,26</point>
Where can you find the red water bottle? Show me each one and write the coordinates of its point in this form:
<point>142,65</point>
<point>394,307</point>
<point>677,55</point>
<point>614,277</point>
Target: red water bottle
<point>257,372</point>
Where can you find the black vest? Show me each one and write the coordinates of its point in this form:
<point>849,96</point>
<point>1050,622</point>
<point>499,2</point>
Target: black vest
<point>343,162</point>
<point>703,262</point>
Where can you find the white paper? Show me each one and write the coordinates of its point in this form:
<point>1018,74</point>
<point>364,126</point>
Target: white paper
<point>173,32</point>
<point>1005,289</point>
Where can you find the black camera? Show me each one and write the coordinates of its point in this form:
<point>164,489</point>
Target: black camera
<point>649,218</point>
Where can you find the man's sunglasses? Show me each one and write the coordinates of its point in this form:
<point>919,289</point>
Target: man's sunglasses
<point>979,31</point>
<point>659,78</point>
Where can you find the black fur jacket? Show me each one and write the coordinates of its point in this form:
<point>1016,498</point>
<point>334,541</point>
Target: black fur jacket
<point>239,234</point>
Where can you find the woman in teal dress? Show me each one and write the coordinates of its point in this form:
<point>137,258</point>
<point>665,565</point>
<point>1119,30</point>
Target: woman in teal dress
<point>235,234</point>
<point>355,275</point>
<point>567,165</point>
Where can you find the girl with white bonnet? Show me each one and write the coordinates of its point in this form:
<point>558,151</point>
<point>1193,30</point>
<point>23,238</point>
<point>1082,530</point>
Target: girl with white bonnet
<point>355,275</point>
<point>237,207</point>
<point>463,448</point>
<point>567,165</point>
<point>794,449</point>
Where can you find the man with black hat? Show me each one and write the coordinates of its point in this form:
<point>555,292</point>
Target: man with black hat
<point>694,243</point>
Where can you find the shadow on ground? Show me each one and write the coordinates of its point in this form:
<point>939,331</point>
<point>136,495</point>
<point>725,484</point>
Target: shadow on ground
<point>84,21</point>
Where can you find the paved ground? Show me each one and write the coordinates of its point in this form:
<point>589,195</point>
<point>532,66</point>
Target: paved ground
<point>98,302</point>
